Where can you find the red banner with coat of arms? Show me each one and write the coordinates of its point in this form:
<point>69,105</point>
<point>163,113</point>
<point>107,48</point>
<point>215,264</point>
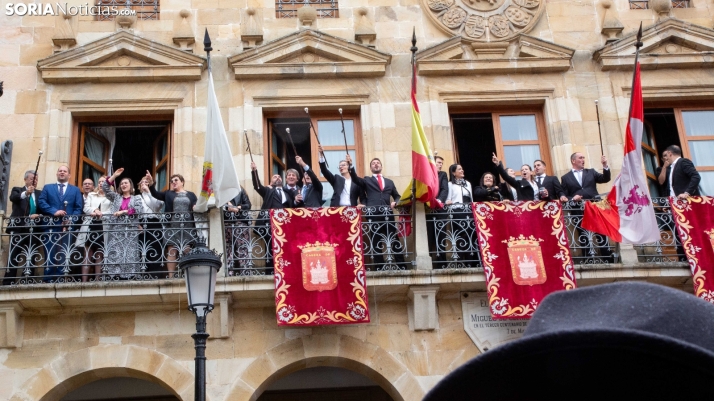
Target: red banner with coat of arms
<point>319,268</point>
<point>525,255</point>
<point>695,225</point>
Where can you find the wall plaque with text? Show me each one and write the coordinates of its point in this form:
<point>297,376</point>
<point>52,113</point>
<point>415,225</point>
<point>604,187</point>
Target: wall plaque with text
<point>484,331</point>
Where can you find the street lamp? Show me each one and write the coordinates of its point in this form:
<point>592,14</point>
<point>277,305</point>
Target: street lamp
<point>200,267</point>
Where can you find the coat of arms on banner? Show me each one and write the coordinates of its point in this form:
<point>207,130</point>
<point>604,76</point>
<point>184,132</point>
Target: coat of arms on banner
<point>525,254</point>
<point>319,269</point>
<point>526,260</point>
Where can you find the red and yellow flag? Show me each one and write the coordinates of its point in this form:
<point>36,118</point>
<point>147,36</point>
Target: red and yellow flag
<point>423,168</point>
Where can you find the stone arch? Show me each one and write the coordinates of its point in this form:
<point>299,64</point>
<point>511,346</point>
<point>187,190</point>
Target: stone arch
<point>332,350</point>
<point>78,368</point>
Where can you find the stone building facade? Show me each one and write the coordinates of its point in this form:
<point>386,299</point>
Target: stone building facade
<point>515,77</point>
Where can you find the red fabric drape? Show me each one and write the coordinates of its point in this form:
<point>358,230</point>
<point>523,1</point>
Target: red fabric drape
<point>525,254</point>
<point>695,226</point>
<point>319,269</point>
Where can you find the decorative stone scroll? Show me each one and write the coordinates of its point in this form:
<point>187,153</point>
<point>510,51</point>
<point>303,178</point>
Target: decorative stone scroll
<point>485,20</point>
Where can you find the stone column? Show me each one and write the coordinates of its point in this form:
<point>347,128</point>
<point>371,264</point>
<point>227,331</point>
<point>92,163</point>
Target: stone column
<point>421,241</point>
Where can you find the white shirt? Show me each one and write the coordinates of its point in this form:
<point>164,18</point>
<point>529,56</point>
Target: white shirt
<point>541,178</point>
<point>578,176</point>
<point>671,171</point>
<point>534,185</point>
<point>282,193</point>
<point>345,194</point>
<point>457,192</point>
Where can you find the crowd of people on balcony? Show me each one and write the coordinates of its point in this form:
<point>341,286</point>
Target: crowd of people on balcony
<point>90,214</point>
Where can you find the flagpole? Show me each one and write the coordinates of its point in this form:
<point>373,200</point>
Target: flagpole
<point>638,44</point>
<point>207,48</point>
<point>314,131</point>
<point>599,130</point>
<point>413,89</point>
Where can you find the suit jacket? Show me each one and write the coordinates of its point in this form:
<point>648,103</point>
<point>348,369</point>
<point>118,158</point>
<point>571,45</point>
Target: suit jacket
<point>589,188</point>
<point>505,191</point>
<point>376,196</point>
<point>21,207</point>
<point>270,198</point>
<point>313,197</point>
<point>338,185</point>
<point>443,193</point>
<point>49,201</point>
<point>552,185</point>
<point>523,187</point>
<point>684,179</point>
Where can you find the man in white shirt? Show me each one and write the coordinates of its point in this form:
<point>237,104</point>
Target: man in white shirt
<point>345,191</point>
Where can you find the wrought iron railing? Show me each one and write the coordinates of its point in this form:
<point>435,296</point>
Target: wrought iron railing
<point>248,239</point>
<point>668,248</point>
<point>80,249</point>
<point>452,237</point>
<point>144,9</point>
<point>453,242</point>
<point>324,8</point>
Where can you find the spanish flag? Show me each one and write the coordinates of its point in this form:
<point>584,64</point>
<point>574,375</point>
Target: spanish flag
<point>424,171</point>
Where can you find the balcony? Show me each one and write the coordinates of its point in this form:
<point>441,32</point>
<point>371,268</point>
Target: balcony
<point>145,247</point>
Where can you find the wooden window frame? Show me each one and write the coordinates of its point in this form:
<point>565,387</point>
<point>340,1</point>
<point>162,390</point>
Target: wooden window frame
<point>679,118</point>
<point>497,112</point>
<point>84,159</point>
<point>653,150</point>
<point>78,121</point>
<point>315,159</point>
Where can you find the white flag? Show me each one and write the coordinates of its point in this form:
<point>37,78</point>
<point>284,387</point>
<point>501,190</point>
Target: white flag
<point>219,174</point>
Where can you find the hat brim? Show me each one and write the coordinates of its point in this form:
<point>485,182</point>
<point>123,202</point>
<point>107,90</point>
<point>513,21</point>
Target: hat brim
<point>583,364</point>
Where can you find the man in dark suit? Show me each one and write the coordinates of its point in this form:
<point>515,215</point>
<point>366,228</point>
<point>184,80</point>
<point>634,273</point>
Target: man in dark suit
<point>63,202</point>
<point>23,245</point>
<point>274,197</point>
<point>435,229</point>
<point>580,182</point>
<point>345,191</point>
<point>311,192</point>
<point>382,196</point>
<point>679,177</point>
<point>292,182</point>
<point>549,182</point>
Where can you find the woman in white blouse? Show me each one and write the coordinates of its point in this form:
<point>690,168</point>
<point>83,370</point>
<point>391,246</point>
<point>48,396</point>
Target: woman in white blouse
<point>91,235</point>
<point>462,222</point>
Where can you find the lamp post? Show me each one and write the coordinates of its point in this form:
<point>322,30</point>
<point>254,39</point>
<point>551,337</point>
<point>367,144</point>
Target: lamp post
<point>200,267</point>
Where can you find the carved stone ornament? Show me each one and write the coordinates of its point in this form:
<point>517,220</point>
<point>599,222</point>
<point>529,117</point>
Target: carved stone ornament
<point>485,20</point>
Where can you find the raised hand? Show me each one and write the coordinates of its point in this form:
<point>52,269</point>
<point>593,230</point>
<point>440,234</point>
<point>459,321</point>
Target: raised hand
<point>299,161</point>
<point>117,173</point>
<point>149,180</point>
<point>495,159</point>
<point>253,166</point>
<point>603,160</point>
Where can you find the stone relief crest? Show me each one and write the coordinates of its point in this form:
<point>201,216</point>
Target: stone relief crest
<point>485,20</point>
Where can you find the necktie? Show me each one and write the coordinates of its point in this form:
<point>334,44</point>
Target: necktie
<point>61,190</point>
<point>304,191</point>
<point>32,205</point>
<point>279,192</point>
<point>580,177</point>
<point>540,181</point>
<point>381,183</point>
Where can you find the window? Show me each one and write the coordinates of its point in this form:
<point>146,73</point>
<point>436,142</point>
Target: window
<point>288,8</point>
<point>696,132</point>
<point>516,136</point>
<point>137,146</point>
<point>329,130</point>
<point>650,156</point>
<point>145,9</point>
<point>644,4</point>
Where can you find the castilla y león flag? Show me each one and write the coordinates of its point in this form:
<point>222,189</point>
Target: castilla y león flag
<point>627,214</point>
<point>319,268</point>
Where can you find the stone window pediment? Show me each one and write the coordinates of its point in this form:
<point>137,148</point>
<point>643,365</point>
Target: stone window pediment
<point>670,43</point>
<point>526,54</point>
<point>309,54</point>
<point>121,57</point>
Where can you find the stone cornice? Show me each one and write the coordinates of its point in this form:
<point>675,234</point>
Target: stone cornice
<point>526,54</point>
<point>309,54</point>
<point>121,57</point>
<point>670,43</point>
<point>252,291</point>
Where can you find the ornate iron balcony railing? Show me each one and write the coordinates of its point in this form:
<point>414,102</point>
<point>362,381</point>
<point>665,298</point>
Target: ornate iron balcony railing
<point>78,248</point>
<point>248,252</point>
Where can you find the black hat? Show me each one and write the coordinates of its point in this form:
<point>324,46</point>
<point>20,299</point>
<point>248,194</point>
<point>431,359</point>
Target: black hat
<point>628,340</point>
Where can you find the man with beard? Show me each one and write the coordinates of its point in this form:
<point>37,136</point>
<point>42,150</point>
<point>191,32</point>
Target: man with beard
<point>274,197</point>
<point>382,196</point>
